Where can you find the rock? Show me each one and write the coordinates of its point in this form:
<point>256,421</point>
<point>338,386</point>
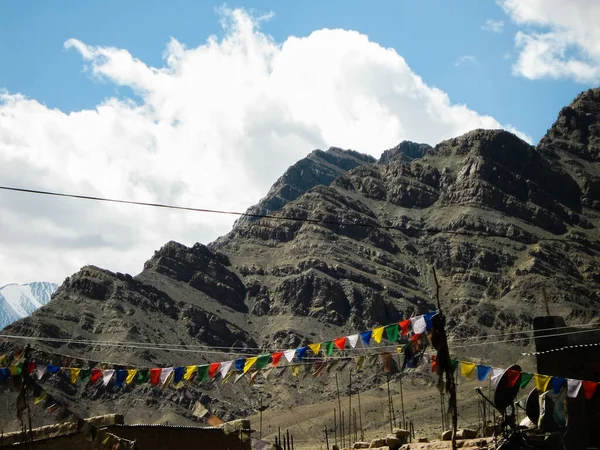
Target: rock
<point>335,447</point>
<point>401,433</point>
<point>361,445</point>
<point>421,439</point>
<point>376,443</point>
<point>447,435</point>
<point>465,433</point>
<point>394,442</point>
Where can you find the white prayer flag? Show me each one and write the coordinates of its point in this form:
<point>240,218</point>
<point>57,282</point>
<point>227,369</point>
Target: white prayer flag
<point>225,367</point>
<point>106,376</point>
<point>573,387</point>
<point>289,354</point>
<point>353,340</point>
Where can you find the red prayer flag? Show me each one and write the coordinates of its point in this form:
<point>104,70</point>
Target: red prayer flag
<point>213,369</point>
<point>340,343</point>
<point>30,368</point>
<point>404,324</point>
<point>433,364</point>
<point>415,337</point>
<point>95,375</point>
<point>512,376</point>
<point>155,376</point>
<point>589,388</point>
<point>276,357</point>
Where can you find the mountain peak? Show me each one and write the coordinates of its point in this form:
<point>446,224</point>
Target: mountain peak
<point>404,151</point>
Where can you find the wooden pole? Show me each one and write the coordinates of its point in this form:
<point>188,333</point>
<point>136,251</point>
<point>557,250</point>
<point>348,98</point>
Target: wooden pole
<point>343,431</point>
<point>326,438</point>
<point>402,400</point>
<point>261,410</point>
<point>389,401</point>
<point>337,386</point>
<point>287,432</point>
<point>292,436</point>
<point>279,434</point>
<point>355,427</point>
<point>349,406</point>
<point>362,431</point>
<point>335,426</point>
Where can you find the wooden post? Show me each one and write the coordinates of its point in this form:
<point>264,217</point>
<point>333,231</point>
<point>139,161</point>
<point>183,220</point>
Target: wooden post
<point>261,410</point>
<point>355,428</point>
<point>343,431</point>
<point>292,441</point>
<point>279,434</point>
<point>362,432</point>
<point>349,406</point>
<point>334,426</point>
<point>337,386</point>
<point>389,401</point>
<point>326,438</point>
<point>402,403</point>
<point>287,432</point>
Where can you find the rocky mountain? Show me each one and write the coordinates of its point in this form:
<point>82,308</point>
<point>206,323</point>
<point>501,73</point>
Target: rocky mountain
<point>21,300</point>
<point>501,221</point>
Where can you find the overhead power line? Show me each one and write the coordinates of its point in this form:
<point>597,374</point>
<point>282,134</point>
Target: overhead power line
<point>281,217</point>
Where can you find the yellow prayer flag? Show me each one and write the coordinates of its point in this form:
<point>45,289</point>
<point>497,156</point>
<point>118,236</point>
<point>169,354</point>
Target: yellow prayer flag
<point>228,377</point>
<point>190,371</point>
<point>296,368</point>
<point>249,363</point>
<point>315,348</point>
<point>468,369</point>
<point>74,374</point>
<point>360,362</point>
<point>542,382</point>
<point>377,334</point>
<point>3,361</point>
<point>40,398</point>
<point>14,370</point>
<point>131,373</point>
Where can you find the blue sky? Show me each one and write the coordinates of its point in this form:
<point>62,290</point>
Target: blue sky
<point>431,35</point>
<point>132,100</point>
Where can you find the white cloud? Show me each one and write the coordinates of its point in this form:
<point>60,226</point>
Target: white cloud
<point>465,59</point>
<point>560,40</point>
<point>213,128</point>
<point>495,26</point>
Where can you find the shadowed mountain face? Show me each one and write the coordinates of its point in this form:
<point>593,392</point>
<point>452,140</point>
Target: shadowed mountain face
<point>280,283</point>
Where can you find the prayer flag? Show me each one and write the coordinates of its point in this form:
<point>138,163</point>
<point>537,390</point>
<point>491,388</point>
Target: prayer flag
<point>340,343</point>
<point>143,376</point>
<point>262,361</point>
<point>119,378</point>
<point>542,382</point>
<point>276,357</point>
<point>84,375</point>
<point>573,387</point>
<point>525,379</point>
<point>404,324</point>
<point>74,374</point>
<point>353,340</point>
<point>419,325</point>
<point>328,347</point>
<point>40,371</point>
<point>360,361</point>
<point>155,376</point>
<point>296,370</point>
<point>589,388</point>
<point>225,368</point>
<point>300,352</point>
<point>178,374</point>
<point>427,317</point>
<point>512,376</point>
<point>496,375</point>
<point>315,348</point>
<point>213,369</point>
<point>106,376</point>
<point>131,373</point>
<point>52,370</point>
<point>202,373</point>
<point>249,363</point>
<point>378,334</point>
<point>467,369</point>
<point>289,354</point>
<point>483,372</point>
<point>365,336</point>
<point>4,374</point>
<point>239,364</point>
<point>95,375</point>
<point>557,384</point>
<point>391,332</point>
<point>190,372</point>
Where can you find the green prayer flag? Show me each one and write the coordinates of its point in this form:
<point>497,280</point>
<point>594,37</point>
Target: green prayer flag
<point>85,374</point>
<point>391,332</point>
<point>202,374</point>
<point>328,347</point>
<point>525,379</point>
<point>142,377</point>
<point>262,361</point>
<point>453,364</point>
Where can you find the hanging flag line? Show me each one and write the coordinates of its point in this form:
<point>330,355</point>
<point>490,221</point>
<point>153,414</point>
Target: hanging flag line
<point>566,347</point>
<point>543,383</point>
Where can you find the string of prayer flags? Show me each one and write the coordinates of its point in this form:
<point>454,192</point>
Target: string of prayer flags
<point>483,372</point>
<point>378,334</point>
<point>542,382</point>
<point>525,379</point>
<point>340,343</point>
<point>467,369</point>
<point>353,340</point>
<point>391,332</point>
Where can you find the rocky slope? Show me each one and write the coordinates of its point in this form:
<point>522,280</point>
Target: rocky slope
<point>499,219</point>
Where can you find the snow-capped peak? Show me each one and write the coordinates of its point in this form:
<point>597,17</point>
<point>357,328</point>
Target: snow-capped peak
<point>21,300</point>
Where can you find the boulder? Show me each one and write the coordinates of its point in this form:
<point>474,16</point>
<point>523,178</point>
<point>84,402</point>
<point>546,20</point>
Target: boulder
<point>465,433</point>
<point>393,442</point>
<point>376,443</point>
<point>421,439</point>
<point>400,433</point>
<point>447,435</point>
<point>361,445</point>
